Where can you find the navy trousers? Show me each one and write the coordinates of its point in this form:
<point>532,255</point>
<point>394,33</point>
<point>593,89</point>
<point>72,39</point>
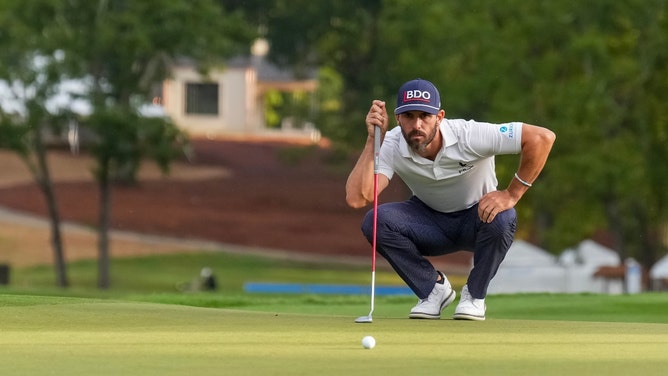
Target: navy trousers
<point>409,231</point>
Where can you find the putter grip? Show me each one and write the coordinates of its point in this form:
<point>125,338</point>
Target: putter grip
<point>376,148</point>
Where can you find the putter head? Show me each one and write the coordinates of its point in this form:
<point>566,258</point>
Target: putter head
<point>364,319</point>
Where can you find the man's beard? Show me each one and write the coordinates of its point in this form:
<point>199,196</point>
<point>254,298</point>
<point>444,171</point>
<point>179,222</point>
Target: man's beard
<point>420,146</point>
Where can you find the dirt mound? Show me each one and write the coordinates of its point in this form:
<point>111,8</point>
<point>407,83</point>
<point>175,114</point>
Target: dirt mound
<point>264,194</point>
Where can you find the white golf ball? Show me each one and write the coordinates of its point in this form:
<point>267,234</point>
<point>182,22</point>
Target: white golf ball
<point>368,342</point>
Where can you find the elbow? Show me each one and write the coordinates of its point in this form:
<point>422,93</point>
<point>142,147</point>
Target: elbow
<point>356,202</point>
<point>355,198</point>
<point>542,138</point>
<point>548,138</point>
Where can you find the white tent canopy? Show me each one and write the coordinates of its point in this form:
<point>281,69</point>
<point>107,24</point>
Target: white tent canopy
<point>592,253</point>
<point>528,268</point>
<point>522,253</point>
<point>660,269</point>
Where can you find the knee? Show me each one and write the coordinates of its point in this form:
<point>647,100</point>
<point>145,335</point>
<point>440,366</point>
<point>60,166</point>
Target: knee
<point>367,225</point>
<point>392,218</point>
<point>385,222</point>
<point>507,216</point>
<point>505,223</point>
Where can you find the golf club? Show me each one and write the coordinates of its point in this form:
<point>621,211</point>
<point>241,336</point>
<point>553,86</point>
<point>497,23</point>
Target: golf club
<point>376,156</point>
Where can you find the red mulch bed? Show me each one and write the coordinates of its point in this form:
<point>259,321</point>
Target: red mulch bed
<point>298,206</point>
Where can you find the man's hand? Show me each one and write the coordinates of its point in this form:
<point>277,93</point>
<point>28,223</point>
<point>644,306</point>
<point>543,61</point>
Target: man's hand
<point>377,117</point>
<point>536,145</point>
<point>494,203</point>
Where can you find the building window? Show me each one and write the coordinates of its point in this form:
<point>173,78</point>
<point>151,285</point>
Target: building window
<point>201,99</point>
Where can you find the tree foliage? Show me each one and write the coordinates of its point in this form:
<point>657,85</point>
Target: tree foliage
<point>587,70</point>
<point>120,50</point>
<point>127,48</point>
<point>594,72</point>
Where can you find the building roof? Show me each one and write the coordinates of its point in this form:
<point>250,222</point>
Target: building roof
<point>268,71</point>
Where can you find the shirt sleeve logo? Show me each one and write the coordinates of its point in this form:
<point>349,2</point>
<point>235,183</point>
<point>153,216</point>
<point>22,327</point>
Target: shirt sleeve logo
<point>508,130</point>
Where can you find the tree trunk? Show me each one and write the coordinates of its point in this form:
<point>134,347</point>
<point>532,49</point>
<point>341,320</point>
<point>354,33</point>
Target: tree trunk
<point>617,229</point>
<point>56,238</point>
<point>103,229</point>
<point>44,182</point>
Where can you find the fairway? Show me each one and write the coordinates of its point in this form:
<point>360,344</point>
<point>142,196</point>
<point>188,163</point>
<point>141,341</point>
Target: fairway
<point>74,336</point>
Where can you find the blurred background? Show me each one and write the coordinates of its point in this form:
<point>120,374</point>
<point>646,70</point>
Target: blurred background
<point>254,112</point>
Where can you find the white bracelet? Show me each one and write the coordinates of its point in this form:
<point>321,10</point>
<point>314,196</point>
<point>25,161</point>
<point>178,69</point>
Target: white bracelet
<point>527,184</point>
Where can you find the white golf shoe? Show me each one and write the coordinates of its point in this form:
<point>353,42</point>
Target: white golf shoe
<point>469,308</point>
<point>439,298</point>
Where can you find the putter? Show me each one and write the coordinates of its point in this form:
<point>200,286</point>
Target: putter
<point>376,156</point>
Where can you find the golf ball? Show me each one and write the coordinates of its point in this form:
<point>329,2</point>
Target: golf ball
<point>368,342</point>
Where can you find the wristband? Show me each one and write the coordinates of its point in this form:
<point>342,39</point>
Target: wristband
<point>524,183</point>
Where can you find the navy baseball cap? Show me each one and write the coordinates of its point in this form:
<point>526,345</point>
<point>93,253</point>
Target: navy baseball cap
<point>418,95</point>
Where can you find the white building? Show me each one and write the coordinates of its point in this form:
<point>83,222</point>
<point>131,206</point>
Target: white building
<point>230,101</point>
<point>227,101</point>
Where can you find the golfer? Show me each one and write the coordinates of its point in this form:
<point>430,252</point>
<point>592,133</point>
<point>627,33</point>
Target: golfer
<point>448,164</point>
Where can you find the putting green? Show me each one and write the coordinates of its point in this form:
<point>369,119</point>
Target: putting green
<point>69,336</point>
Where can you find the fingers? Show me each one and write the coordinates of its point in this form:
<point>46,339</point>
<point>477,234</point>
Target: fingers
<point>492,204</point>
<point>378,104</point>
<point>377,115</point>
<point>488,214</point>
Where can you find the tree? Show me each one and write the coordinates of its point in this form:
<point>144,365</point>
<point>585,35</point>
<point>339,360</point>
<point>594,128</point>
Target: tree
<point>122,50</point>
<point>126,48</point>
<point>30,81</point>
<point>592,71</point>
<point>125,138</point>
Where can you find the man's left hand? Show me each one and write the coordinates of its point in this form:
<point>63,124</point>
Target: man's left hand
<point>494,203</point>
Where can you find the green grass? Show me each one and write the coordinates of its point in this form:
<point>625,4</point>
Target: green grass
<point>163,273</point>
<point>155,279</point>
<point>145,326</point>
<point>76,336</point>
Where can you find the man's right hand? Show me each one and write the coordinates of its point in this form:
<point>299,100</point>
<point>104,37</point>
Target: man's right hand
<point>377,117</point>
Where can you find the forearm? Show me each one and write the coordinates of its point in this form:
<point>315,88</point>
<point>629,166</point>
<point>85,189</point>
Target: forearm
<point>359,186</point>
<point>536,146</point>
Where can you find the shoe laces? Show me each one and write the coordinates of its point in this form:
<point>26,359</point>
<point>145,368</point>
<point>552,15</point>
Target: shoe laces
<point>433,293</point>
<point>466,295</point>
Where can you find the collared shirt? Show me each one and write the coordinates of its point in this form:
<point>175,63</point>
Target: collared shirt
<point>463,170</point>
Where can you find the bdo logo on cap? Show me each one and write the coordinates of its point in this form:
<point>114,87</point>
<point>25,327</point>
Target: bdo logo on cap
<point>416,95</point>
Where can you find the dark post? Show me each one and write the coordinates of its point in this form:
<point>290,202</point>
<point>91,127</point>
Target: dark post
<point>4,274</point>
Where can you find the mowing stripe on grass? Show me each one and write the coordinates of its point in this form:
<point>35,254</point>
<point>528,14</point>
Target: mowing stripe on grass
<point>324,289</point>
<point>69,336</point>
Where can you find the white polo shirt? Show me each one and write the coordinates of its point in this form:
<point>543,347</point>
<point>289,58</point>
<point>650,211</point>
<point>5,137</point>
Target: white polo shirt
<point>463,170</point>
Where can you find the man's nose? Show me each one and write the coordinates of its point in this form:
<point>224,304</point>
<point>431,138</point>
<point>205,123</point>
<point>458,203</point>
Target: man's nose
<point>419,122</point>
